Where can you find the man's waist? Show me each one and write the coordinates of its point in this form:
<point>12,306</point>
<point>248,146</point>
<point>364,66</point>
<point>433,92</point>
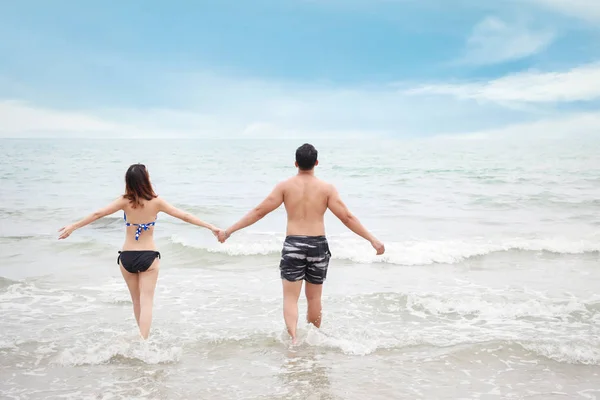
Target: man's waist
<point>306,238</point>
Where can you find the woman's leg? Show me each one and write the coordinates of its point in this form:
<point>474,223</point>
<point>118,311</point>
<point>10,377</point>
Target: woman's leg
<point>147,285</point>
<point>132,281</point>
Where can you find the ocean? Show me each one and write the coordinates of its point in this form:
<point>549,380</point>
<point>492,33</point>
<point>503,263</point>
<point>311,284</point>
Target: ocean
<point>489,288</point>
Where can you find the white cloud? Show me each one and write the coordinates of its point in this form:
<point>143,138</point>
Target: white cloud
<point>578,84</point>
<point>230,108</point>
<point>586,9</point>
<point>213,106</point>
<point>565,126</point>
<point>286,111</point>
<point>17,118</point>
<point>292,120</point>
<point>494,41</point>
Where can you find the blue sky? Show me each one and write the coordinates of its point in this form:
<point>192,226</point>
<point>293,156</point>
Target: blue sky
<point>299,68</point>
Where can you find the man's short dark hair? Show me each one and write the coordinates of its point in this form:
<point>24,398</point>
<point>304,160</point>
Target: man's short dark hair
<point>306,157</point>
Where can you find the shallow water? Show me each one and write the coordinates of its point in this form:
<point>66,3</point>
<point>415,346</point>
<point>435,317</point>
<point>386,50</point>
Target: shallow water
<point>488,288</point>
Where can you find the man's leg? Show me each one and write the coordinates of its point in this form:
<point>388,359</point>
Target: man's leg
<point>316,273</point>
<point>313,297</point>
<point>291,293</point>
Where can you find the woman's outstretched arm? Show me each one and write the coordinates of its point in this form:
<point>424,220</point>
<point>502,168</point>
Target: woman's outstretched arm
<point>112,208</point>
<point>167,208</point>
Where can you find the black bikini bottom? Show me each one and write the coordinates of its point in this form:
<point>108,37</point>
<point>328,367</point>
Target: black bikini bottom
<point>137,261</point>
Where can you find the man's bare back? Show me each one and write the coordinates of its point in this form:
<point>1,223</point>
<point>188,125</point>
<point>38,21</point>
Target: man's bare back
<point>305,200</point>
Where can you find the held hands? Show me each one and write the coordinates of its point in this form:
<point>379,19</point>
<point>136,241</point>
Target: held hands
<point>223,235</point>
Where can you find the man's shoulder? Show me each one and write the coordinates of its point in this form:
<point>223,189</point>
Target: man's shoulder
<point>283,186</point>
<point>285,182</point>
<point>324,183</point>
<point>293,181</point>
<point>324,187</point>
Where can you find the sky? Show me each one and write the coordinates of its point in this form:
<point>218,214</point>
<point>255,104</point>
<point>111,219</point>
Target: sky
<point>300,68</point>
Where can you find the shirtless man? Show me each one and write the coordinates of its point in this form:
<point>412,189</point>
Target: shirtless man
<point>305,254</point>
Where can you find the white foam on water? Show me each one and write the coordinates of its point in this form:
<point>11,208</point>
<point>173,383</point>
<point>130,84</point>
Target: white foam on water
<point>572,352</point>
<point>363,343</point>
<point>262,246</point>
<point>351,346</point>
<point>7,344</point>
<point>589,394</point>
<point>27,302</point>
<point>410,252</point>
<point>355,342</point>
<point>495,306</point>
<point>94,352</point>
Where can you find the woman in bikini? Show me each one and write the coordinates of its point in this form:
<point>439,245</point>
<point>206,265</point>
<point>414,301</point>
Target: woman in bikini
<point>139,260</point>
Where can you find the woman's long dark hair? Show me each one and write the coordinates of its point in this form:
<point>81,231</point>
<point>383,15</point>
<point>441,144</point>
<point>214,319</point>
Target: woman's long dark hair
<point>138,186</point>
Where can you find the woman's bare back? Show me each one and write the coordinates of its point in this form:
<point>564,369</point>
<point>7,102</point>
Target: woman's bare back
<point>140,224</point>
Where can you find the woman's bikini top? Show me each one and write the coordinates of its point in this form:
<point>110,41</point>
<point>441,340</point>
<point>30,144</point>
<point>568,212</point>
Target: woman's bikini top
<point>140,227</point>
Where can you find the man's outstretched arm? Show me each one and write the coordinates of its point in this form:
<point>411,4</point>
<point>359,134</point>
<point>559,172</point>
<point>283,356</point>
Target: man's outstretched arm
<point>339,209</point>
<point>271,203</point>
